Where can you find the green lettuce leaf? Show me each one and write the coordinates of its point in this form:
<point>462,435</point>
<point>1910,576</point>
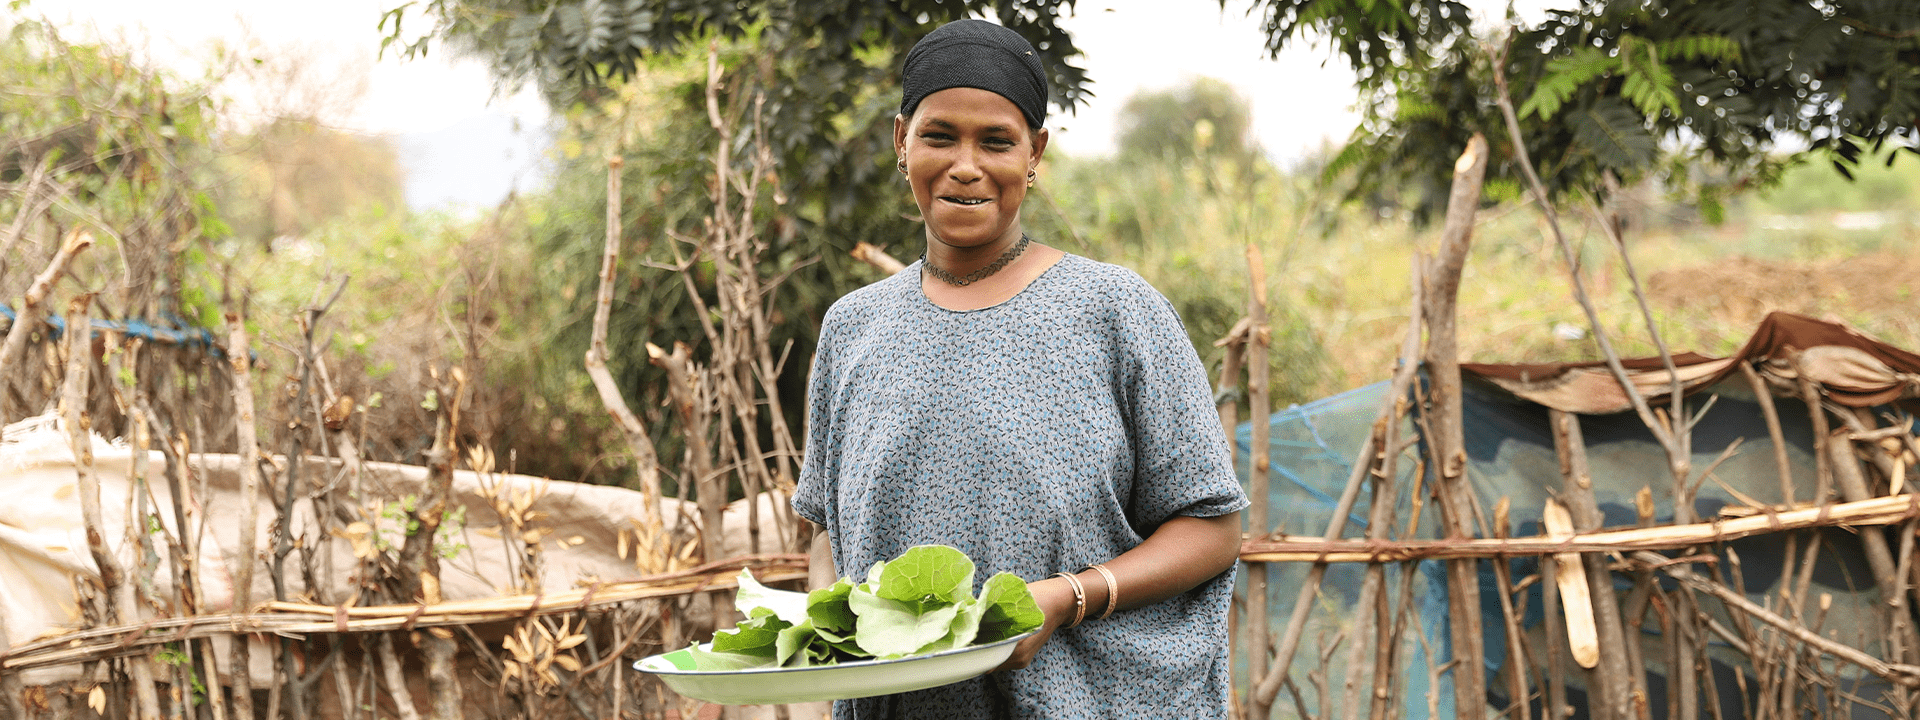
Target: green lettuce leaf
<point>918,603</point>
<point>892,628</point>
<point>1008,609</point>
<point>754,636</point>
<point>828,610</point>
<point>966,624</point>
<point>790,606</point>
<point>791,641</point>
<point>708,661</point>
<point>930,575</point>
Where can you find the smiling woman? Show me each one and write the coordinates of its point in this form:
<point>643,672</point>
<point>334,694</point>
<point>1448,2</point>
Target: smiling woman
<point>969,157</point>
<point>1041,412</point>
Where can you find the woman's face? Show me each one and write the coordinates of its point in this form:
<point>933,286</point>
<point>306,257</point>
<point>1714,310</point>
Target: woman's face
<point>968,152</point>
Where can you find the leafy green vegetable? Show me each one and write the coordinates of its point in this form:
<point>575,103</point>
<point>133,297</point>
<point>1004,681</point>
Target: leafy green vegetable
<point>790,606</point>
<point>754,636</point>
<point>791,642</point>
<point>828,609</point>
<point>927,575</point>
<point>920,602</point>
<point>708,661</point>
<point>1009,609</point>
<point>895,628</point>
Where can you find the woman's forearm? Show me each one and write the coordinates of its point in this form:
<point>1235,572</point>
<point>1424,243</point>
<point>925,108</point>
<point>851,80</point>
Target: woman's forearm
<point>820,572</point>
<point>1183,553</point>
<point>1177,557</point>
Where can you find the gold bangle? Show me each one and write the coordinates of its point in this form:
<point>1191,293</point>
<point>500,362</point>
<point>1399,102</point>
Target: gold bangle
<point>1079,598</point>
<point>1113,589</point>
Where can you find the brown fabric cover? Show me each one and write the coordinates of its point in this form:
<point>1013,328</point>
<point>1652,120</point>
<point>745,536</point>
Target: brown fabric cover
<point>1856,369</point>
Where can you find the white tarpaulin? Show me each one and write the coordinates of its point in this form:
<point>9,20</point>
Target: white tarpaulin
<point>43,547</point>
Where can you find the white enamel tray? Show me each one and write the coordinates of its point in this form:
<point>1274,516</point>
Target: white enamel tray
<point>776,686</point>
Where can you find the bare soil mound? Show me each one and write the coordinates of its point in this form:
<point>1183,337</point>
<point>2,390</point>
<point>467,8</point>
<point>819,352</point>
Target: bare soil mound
<point>1877,292</point>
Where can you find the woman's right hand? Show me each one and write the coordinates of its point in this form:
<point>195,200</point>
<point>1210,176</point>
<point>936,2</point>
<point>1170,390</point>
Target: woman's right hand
<point>1055,598</point>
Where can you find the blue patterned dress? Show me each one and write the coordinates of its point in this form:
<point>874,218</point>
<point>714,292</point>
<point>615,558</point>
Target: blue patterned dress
<point>1051,431</point>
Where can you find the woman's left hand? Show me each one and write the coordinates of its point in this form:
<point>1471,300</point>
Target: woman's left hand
<point>1055,599</point>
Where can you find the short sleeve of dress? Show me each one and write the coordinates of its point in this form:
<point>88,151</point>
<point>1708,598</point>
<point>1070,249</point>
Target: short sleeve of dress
<point>1183,465</point>
<point>811,492</point>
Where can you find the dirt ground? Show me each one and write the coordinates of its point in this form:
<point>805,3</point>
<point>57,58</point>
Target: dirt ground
<point>1876,292</point>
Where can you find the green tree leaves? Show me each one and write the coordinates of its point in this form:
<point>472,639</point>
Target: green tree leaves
<point>1564,77</point>
<point>1612,131</point>
<point>1637,88</point>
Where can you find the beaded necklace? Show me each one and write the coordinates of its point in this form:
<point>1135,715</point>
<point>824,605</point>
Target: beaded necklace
<point>977,275</point>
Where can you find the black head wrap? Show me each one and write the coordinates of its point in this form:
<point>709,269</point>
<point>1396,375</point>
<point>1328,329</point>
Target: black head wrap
<point>976,54</point>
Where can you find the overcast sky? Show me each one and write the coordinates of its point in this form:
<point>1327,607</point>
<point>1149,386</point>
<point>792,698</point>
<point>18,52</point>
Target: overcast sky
<point>461,143</point>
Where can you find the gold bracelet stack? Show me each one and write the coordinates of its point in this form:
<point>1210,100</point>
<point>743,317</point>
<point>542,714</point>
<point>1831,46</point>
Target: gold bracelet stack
<point>1113,589</point>
<point>1079,598</point>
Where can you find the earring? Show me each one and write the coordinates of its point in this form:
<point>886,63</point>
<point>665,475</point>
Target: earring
<point>1032,176</point>
<point>902,165</point>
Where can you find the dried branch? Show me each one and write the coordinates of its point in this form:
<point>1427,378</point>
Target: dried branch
<point>240,360</point>
<point>27,316</point>
<point>1545,202</point>
<point>396,679</point>
<point>293,619</point>
<point>646,461</point>
<point>1853,488</point>
<point>1259,337</point>
<point>1771,413</point>
<point>1447,439</point>
<point>418,573</point>
<point>1617,687</point>
<point>872,255</point>
<point>1876,511</point>
<point>32,202</point>
<point>1907,675</point>
<point>1267,687</point>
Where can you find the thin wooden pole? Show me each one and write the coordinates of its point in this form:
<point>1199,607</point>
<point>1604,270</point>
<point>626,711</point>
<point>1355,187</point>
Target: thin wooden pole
<point>1258,519</point>
<point>1267,687</point>
<point>1768,411</point>
<point>27,317</point>
<point>646,461</point>
<point>1447,443</point>
<point>1616,690</point>
<point>239,665</point>
<point>117,592</point>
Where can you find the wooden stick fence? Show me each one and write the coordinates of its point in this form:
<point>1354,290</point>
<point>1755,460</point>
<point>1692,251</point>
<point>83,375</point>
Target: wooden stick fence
<point>292,619</point>
<point>1879,511</point>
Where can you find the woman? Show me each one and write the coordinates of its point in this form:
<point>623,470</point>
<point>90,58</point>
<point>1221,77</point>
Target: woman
<point>1044,413</point>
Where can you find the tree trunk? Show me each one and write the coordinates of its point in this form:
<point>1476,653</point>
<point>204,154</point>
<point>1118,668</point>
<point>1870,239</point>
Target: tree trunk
<point>1448,433</point>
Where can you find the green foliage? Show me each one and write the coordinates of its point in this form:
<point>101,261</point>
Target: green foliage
<point>1204,119</point>
<point>1736,87</point>
<point>1647,83</point>
<point>572,47</point>
<point>175,656</point>
<point>396,522</point>
<point>92,140</point>
<point>1612,132</point>
<point>1185,228</point>
<point>1564,76</point>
